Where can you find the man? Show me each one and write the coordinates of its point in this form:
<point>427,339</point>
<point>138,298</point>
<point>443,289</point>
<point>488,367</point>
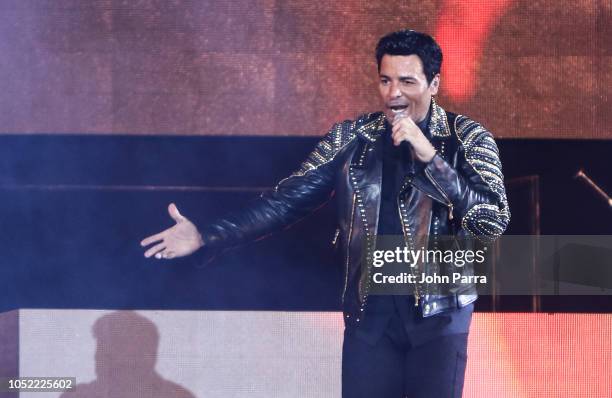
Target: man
<point>412,170</point>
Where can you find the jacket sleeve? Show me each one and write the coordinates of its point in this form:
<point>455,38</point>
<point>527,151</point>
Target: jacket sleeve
<point>293,198</point>
<point>476,188</point>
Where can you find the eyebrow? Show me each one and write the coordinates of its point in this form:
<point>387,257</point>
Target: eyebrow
<point>400,78</point>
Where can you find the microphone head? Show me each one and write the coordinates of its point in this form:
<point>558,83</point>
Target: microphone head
<point>399,116</point>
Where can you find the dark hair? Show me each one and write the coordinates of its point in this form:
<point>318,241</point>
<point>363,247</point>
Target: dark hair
<point>408,42</point>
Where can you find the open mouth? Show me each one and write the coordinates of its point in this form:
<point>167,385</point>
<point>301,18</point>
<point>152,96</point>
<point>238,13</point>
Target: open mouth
<point>398,108</point>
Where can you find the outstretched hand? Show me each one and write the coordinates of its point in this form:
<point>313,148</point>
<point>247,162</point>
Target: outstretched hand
<point>180,240</point>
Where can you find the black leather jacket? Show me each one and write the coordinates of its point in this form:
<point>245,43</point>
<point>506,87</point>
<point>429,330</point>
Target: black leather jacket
<point>459,193</point>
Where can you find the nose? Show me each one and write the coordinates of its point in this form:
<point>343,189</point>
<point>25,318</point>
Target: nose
<point>395,91</point>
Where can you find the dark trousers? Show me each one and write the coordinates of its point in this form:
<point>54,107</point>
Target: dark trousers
<point>394,366</point>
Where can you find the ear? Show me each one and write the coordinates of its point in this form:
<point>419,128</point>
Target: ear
<point>434,85</point>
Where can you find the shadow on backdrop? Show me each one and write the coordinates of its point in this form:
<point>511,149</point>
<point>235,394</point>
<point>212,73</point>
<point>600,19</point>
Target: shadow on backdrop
<point>126,353</point>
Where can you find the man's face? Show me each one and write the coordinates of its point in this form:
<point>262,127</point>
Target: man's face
<point>403,87</point>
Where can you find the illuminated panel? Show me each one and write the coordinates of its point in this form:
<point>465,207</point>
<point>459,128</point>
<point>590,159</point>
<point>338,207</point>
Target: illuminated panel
<point>540,355</point>
<point>462,31</point>
<point>280,354</point>
<point>537,69</point>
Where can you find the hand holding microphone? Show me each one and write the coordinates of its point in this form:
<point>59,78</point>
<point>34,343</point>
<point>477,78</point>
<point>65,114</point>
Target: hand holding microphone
<point>404,129</point>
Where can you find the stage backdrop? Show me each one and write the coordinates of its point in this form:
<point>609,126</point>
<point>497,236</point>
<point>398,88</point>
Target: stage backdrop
<point>523,68</point>
<point>293,354</point>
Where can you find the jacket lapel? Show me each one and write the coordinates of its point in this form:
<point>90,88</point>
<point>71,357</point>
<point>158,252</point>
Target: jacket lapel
<point>438,125</point>
<point>366,171</point>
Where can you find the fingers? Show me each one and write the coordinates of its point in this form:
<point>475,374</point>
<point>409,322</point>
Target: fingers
<point>404,120</point>
<point>155,249</point>
<point>404,129</point>
<point>174,213</point>
<point>176,216</point>
<point>395,134</point>
<point>153,238</point>
<point>164,254</point>
<point>160,251</point>
<point>398,117</point>
<point>398,136</point>
<point>399,133</point>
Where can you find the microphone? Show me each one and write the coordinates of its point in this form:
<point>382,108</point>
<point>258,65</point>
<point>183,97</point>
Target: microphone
<point>406,149</point>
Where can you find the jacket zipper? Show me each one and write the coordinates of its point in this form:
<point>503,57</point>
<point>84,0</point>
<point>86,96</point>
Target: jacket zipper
<point>439,188</point>
<point>348,247</point>
<point>408,242</point>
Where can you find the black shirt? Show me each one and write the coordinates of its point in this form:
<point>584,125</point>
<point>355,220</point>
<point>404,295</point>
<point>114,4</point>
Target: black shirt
<point>398,162</point>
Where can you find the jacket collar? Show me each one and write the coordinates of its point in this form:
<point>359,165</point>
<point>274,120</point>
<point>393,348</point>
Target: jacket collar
<point>372,128</point>
<point>374,125</point>
<point>438,125</point>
